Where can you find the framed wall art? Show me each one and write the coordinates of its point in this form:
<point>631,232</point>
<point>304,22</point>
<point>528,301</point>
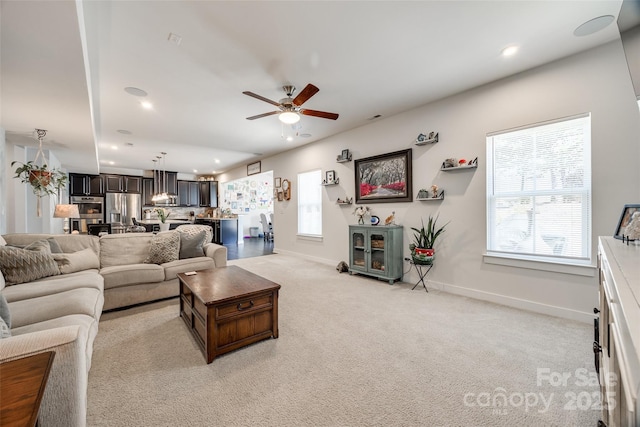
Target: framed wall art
<point>384,178</point>
<point>253,168</point>
<point>627,222</point>
<point>277,182</point>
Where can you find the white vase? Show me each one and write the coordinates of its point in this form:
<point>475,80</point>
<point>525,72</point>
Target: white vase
<point>164,226</point>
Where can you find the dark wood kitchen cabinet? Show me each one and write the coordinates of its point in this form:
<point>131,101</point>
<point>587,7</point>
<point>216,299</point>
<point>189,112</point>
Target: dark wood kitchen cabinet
<point>208,194</point>
<point>85,185</point>
<point>188,193</point>
<point>123,184</point>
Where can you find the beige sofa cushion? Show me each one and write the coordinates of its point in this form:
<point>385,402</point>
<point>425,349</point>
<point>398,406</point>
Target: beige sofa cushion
<point>85,259</point>
<point>88,329</point>
<point>123,249</point>
<point>68,242</point>
<point>132,274</point>
<point>53,285</point>
<point>171,269</point>
<point>76,301</point>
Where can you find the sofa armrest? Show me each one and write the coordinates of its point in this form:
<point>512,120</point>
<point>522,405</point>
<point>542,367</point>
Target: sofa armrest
<point>216,252</point>
<point>65,397</point>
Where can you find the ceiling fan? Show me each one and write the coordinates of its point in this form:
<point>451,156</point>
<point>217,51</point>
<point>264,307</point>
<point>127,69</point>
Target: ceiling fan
<point>290,107</point>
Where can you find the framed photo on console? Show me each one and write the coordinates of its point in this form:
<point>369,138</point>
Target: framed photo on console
<point>626,219</point>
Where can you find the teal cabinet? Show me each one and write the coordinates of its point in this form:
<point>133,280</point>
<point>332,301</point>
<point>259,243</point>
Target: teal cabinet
<point>376,251</point>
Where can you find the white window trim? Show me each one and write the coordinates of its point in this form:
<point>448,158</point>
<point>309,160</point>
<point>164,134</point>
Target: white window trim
<point>311,237</point>
<point>305,236</point>
<point>580,267</point>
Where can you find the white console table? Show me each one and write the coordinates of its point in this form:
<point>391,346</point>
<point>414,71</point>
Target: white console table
<point>618,345</point>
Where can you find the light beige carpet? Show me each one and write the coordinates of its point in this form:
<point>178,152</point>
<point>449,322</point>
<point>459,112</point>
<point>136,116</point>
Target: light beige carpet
<point>352,351</point>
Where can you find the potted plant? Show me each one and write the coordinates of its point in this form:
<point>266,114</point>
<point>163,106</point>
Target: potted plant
<point>43,181</point>
<point>422,250</point>
<point>163,214</point>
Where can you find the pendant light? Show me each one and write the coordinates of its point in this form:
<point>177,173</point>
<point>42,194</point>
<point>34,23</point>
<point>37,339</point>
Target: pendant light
<point>155,182</point>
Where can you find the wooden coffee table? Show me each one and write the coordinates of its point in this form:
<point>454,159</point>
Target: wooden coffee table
<point>227,308</point>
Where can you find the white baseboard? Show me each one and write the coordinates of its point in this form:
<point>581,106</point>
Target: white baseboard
<point>522,304</point>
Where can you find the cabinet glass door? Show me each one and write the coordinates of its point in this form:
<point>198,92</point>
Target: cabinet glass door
<point>358,249</point>
<point>377,244</point>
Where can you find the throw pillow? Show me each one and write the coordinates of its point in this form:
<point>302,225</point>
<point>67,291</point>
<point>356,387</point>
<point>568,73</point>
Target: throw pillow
<point>77,261</point>
<point>165,247</point>
<point>191,244</point>
<point>5,332</point>
<point>2,241</point>
<point>4,310</point>
<point>54,245</point>
<point>20,265</point>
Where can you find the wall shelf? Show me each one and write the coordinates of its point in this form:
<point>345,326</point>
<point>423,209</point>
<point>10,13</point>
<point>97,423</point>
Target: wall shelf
<point>423,139</point>
<point>431,199</point>
<point>344,160</point>
<point>473,164</point>
<point>336,182</point>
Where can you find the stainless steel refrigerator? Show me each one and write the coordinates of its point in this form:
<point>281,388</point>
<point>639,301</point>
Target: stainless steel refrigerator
<point>121,208</point>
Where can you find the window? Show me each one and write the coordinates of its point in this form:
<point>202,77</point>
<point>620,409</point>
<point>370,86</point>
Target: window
<point>310,203</point>
<point>539,191</point>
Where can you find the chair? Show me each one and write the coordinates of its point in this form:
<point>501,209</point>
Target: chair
<point>98,229</point>
<point>267,228</point>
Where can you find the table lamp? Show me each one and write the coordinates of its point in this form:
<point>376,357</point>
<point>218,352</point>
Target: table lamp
<point>66,212</point>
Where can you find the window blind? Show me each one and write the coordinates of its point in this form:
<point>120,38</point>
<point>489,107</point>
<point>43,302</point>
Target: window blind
<point>539,190</point>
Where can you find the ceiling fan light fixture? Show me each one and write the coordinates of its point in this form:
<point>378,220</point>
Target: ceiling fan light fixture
<point>289,117</point>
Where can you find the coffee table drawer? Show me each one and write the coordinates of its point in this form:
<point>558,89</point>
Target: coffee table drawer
<point>245,305</point>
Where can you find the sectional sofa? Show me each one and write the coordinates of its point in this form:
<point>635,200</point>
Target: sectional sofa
<point>89,274</point>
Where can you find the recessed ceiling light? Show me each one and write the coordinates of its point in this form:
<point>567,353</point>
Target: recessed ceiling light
<point>217,160</point>
<point>124,131</point>
<point>195,171</point>
<point>112,163</point>
<point>114,147</point>
<point>213,171</point>
<point>304,135</point>
<point>593,25</point>
<point>135,91</point>
<point>289,138</point>
<point>146,105</point>
<point>510,50</point>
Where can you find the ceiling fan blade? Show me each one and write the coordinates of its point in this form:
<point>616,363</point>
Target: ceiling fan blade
<point>261,98</point>
<point>271,113</point>
<point>306,93</point>
<point>323,114</point>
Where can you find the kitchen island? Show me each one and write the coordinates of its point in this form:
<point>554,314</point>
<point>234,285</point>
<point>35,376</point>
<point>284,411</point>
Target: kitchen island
<point>225,230</point>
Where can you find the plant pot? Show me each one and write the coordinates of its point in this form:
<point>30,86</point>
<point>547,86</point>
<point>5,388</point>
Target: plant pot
<point>40,177</point>
<point>164,226</point>
<point>423,256</point>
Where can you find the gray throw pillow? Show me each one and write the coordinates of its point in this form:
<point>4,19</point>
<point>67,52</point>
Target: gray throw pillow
<point>165,247</point>
<point>54,245</point>
<point>5,332</point>
<point>191,244</point>
<point>20,265</point>
<point>4,310</point>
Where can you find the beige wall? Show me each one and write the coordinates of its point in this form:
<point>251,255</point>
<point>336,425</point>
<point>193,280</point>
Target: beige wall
<point>595,81</point>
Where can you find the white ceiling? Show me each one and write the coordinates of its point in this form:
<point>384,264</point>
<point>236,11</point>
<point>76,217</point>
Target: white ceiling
<point>65,64</point>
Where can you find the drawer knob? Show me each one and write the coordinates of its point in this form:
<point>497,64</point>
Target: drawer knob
<point>240,307</point>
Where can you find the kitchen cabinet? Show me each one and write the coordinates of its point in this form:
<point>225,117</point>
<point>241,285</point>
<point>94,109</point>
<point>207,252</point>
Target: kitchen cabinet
<point>208,193</point>
<point>188,193</point>
<point>376,251</point>
<point>147,191</point>
<point>123,184</point>
<point>225,230</point>
<point>85,185</point>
